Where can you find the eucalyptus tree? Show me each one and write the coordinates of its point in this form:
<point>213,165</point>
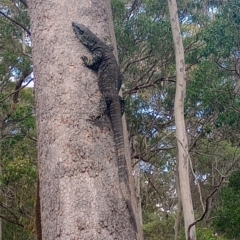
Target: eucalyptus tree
<point>79,188</point>
<point>183,157</point>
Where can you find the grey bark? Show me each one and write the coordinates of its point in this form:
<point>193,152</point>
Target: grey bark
<point>137,178</point>
<point>79,188</point>
<point>179,205</point>
<point>181,135</point>
<point>1,132</point>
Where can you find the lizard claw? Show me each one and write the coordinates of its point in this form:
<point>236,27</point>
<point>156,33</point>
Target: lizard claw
<point>94,118</point>
<point>85,60</point>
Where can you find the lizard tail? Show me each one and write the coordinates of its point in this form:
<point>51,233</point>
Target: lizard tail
<point>123,179</point>
<point>127,197</point>
<point>116,120</point>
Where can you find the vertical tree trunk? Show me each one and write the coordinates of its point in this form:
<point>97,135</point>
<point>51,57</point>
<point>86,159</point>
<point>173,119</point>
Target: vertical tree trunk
<point>1,134</point>
<point>79,188</point>
<point>182,142</point>
<point>137,177</point>
<point>179,210</point>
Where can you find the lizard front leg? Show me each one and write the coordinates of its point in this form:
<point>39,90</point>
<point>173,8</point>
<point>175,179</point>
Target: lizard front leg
<point>93,62</point>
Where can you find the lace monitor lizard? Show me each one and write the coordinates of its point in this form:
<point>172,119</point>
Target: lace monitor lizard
<point>109,81</point>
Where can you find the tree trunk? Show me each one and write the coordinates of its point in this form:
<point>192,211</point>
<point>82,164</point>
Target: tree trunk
<point>137,178</point>
<point>1,134</point>
<point>182,142</point>
<point>179,205</point>
<point>79,187</point>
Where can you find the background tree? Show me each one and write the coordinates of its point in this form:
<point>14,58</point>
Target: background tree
<point>183,158</point>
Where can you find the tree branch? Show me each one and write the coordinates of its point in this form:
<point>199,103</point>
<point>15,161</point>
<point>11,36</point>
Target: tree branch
<point>17,89</point>
<point>19,24</point>
<point>11,221</point>
<point>211,194</point>
<point>147,85</point>
<point>32,138</point>
<point>206,207</point>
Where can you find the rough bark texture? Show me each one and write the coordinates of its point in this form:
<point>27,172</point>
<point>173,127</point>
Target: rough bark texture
<point>38,227</point>
<point>182,142</point>
<point>79,187</point>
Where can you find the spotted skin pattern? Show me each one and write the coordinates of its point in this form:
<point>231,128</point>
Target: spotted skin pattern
<point>109,81</point>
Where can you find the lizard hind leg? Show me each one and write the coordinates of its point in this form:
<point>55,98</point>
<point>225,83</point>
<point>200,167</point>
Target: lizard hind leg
<point>122,104</point>
<point>103,109</point>
<point>104,105</point>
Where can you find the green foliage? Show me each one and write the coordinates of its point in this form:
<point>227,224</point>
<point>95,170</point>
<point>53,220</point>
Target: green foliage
<point>15,233</point>
<point>158,226</point>
<point>207,234</point>
<point>18,128</point>
<point>219,38</point>
<point>223,152</point>
<point>227,217</point>
<point>211,36</point>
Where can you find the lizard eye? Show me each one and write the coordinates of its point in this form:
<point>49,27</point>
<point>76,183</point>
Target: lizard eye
<point>80,30</point>
<point>77,29</point>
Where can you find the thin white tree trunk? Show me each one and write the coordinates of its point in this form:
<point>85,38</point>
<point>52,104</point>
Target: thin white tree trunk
<point>182,142</point>
<point>179,210</point>
<point>137,178</point>
<point>1,174</point>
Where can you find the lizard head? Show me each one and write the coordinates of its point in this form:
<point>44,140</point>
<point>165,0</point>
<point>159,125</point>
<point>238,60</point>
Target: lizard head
<point>85,36</point>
